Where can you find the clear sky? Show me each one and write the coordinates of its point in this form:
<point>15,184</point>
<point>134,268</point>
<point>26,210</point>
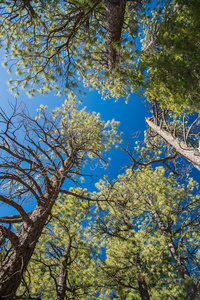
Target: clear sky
<point>131,116</point>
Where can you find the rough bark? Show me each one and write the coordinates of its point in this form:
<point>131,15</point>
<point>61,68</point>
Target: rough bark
<point>190,153</point>
<point>143,290</point>
<point>142,285</point>
<point>18,256</point>
<point>115,10</point>
<point>16,260</point>
<point>36,157</point>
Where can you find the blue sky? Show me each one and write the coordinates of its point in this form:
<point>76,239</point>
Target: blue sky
<point>131,116</point>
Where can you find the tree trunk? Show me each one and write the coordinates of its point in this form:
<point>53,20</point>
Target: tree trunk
<point>115,10</point>
<point>143,290</point>
<point>18,257</point>
<point>142,285</point>
<point>181,147</point>
<point>61,290</point>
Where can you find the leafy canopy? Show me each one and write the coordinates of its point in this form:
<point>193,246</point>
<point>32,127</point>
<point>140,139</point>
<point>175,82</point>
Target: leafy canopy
<point>50,43</point>
<point>150,228</point>
<point>171,55</point>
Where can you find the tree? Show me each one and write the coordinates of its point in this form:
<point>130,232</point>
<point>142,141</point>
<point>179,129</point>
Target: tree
<point>182,136</point>
<point>37,156</point>
<point>65,256</point>
<point>150,228</point>
<point>171,55</point>
<point>48,42</point>
<point>147,221</point>
<point>171,139</point>
<point>150,232</point>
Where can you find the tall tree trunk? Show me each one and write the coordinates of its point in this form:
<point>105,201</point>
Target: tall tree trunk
<point>115,10</point>
<point>18,257</point>
<point>181,147</point>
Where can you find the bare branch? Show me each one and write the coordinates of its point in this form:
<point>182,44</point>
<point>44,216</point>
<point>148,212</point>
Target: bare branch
<point>13,238</point>
<point>24,215</point>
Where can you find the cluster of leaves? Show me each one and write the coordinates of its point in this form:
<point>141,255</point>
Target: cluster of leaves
<point>150,229</point>
<point>49,42</point>
<point>171,55</point>
<point>64,262</point>
<point>149,225</point>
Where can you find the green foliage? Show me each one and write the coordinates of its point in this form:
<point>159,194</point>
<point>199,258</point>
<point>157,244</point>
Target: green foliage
<point>85,129</point>
<point>171,55</point>
<point>149,229</point>
<point>64,245</point>
<point>48,42</point>
<point>146,221</point>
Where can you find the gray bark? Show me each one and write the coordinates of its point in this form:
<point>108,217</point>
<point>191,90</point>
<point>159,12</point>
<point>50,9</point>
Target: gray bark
<point>190,153</point>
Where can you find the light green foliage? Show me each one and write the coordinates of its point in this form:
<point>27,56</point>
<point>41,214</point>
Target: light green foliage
<point>38,155</point>
<point>150,229</point>
<point>48,42</point>
<point>148,223</point>
<point>147,216</point>
<point>66,131</point>
<point>150,149</point>
<point>86,130</point>
<point>171,55</point>
<point>64,245</point>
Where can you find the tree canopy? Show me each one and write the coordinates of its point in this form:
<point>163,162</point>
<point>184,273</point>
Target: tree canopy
<point>171,55</point>
<point>151,247</point>
<point>49,42</point>
<point>133,237</point>
<point>149,226</point>
<point>34,167</point>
